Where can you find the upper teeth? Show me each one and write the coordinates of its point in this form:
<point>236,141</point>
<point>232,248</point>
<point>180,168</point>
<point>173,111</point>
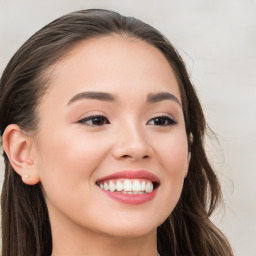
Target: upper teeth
<point>127,185</point>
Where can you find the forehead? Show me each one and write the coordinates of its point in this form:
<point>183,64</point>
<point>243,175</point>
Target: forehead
<point>112,63</point>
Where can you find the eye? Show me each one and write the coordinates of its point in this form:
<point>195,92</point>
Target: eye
<point>162,121</point>
<point>94,120</point>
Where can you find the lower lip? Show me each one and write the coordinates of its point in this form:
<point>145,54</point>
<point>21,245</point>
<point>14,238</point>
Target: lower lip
<point>131,199</point>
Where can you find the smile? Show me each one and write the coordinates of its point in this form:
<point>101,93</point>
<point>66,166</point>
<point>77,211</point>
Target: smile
<point>127,186</point>
<point>130,187</point>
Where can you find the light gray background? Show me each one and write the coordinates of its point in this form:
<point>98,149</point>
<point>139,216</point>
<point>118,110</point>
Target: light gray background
<point>217,39</point>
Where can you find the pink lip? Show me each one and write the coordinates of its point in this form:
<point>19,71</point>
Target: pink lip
<point>141,174</point>
<point>131,199</point>
<point>127,198</point>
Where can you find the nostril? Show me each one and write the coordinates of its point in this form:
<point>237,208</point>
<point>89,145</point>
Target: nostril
<point>135,157</point>
<point>126,156</point>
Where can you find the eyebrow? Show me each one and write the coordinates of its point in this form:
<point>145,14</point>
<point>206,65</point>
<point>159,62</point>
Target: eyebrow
<point>104,96</point>
<point>160,96</point>
<point>93,95</point>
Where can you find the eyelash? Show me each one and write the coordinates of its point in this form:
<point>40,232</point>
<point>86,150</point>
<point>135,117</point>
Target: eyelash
<point>88,118</point>
<point>170,120</point>
<point>104,120</point>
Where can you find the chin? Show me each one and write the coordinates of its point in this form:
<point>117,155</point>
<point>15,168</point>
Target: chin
<point>131,231</point>
<point>131,228</point>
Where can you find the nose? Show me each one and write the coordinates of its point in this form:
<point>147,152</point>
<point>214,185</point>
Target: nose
<point>131,143</point>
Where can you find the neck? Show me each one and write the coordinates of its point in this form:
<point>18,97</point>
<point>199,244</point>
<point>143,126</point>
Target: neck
<point>98,246</point>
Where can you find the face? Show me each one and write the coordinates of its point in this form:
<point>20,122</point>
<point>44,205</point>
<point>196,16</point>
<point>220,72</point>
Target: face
<point>112,129</point>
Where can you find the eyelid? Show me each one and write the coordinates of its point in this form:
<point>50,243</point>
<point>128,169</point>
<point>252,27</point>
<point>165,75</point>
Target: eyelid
<point>91,116</point>
<point>164,115</point>
<point>167,116</point>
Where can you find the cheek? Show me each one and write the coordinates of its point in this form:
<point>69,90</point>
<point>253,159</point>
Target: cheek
<point>68,164</point>
<point>177,160</point>
<point>176,164</point>
<point>72,156</point>
<point>173,156</point>
<point>67,170</point>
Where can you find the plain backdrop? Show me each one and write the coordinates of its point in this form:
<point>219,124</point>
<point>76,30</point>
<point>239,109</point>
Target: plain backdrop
<point>217,40</point>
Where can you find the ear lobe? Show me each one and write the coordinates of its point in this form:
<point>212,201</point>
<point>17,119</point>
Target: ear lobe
<point>17,146</point>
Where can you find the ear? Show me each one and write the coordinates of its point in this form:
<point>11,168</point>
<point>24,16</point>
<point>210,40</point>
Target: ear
<point>18,146</point>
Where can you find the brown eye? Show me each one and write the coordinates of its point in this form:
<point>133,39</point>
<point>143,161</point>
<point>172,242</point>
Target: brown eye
<point>162,121</point>
<point>95,120</point>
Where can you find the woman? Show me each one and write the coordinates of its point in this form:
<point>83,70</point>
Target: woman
<point>103,145</point>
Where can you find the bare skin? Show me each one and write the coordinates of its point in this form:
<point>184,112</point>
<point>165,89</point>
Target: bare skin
<point>71,151</point>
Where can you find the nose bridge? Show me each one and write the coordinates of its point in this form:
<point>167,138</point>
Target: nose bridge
<point>131,141</point>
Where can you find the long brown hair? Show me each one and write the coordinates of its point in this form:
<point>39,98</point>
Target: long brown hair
<point>25,223</point>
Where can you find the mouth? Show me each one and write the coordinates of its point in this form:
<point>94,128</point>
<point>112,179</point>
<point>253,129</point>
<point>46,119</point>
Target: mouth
<point>131,187</point>
<point>128,186</point>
